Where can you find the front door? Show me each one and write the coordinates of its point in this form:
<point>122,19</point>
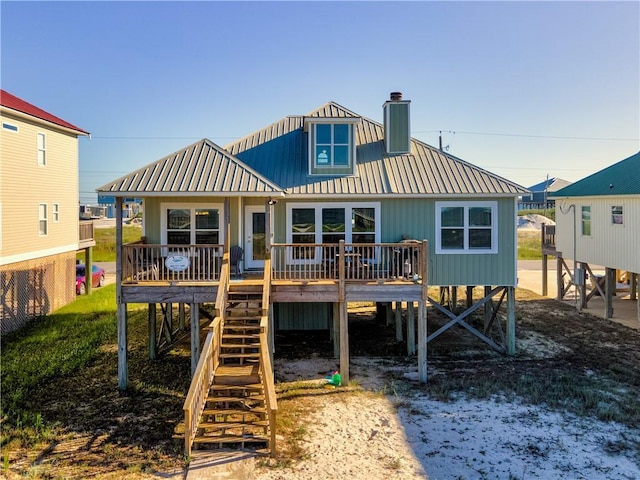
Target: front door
<point>255,228</point>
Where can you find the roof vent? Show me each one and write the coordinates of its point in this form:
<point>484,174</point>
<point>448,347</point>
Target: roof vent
<point>396,96</point>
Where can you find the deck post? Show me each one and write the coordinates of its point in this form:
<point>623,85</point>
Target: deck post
<point>411,329</point>
<point>121,308</point>
<point>582,282</point>
<point>181,315</point>
<point>511,321</point>
<point>545,271</point>
<point>388,313</point>
<point>633,285</point>
<point>344,342</point>
<point>88,265</point>
<point>469,296</point>
<point>488,308</point>
<point>399,336</point>
<point>335,328</point>
<point>559,281</point>
<point>195,336</point>
<point>123,375</point>
<point>610,288</point>
<point>153,346</point>
<point>422,341</point>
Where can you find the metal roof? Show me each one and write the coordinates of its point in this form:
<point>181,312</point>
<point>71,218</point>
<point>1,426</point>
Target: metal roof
<point>279,152</point>
<point>273,161</point>
<point>202,168</point>
<point>8,100</point>
<point>622,178</point>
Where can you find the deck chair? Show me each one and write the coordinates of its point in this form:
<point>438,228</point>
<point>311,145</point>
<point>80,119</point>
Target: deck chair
<point>236,254</point>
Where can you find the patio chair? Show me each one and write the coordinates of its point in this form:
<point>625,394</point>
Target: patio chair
<point>236,254</point>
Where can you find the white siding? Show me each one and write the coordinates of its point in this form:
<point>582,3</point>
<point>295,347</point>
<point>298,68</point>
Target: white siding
<point>609,245</point>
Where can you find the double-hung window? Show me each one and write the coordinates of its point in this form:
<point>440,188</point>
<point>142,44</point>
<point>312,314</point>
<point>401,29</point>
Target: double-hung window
<point>327,224</point>
<point>42,149</point>
<point>466,227</point>
<point>56,212</point>
<point>42,219</point>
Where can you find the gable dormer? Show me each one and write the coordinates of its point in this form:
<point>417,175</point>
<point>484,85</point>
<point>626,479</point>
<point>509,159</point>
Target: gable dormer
<point>397,129</point>
<point>331,141</point>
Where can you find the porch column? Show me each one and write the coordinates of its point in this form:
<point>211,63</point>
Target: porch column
<point>88,265</point>
<point>195,337</point>
<point>559,280</point>
<point>267,227</point>
<point>123,376</point>
<point>488,308</point>
<point>511,321</point>
<point>227,224</point>
<point>545,272</point>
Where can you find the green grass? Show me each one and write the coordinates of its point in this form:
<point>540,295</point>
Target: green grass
<point>105,248</point>
<point>529,246</point>
<point>56,345</point>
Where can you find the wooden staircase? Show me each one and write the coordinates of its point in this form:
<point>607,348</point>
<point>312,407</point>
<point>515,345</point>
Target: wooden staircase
<point>236,413</point>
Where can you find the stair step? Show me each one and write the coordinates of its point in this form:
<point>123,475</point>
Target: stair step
<point>252,398</point>
<point>248,374</point>
<point>221,425</point>
<point>240,345</point>
<point>241,327</point>
<point>240,355</point>
<point>235,411</point>
<point>255,386</point>
<point>238,336</point>
<point>230,439</point>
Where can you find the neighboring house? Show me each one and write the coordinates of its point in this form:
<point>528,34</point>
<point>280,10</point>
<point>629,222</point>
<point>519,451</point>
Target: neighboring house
<point>328,207</point>
<point>598,223</point>
<point>39,233</point>
<point>541,193</point>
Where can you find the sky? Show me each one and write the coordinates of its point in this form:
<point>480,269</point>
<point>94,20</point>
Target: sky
<point>525,90</point>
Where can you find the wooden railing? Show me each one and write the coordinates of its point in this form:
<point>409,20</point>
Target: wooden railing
<point>199,391</point>
<point>266,369</point>
<point>148,263</point>
<point>86,234</point>
<point>209,360</point>
<point>360,262</point>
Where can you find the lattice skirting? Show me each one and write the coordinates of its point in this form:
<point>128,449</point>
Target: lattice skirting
<point>34,288</point>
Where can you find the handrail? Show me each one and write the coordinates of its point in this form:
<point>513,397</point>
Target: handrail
<point>266,369</point>
<point>199,390</point>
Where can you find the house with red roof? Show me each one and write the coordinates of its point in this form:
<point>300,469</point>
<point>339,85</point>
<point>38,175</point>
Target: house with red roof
<point>39,228</point>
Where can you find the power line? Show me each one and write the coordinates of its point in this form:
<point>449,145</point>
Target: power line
<point>523,135</point>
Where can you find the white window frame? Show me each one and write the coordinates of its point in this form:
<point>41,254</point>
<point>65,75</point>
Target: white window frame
<point>42,217</point>
<point>617,215</point>
<point>493,205</point>
<point>55,212</point>
<point>192,207</point>
<point>318,207</point>
<point>42,148</point>
<point>313,166</point>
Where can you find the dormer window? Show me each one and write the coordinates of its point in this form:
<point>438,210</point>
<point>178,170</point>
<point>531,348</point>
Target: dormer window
<point>332,149</point>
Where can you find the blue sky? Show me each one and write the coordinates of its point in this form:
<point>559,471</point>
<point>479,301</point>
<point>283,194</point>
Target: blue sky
<point>522,89</point>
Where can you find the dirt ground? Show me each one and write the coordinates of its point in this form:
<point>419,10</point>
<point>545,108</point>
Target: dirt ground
<point>103,433</point>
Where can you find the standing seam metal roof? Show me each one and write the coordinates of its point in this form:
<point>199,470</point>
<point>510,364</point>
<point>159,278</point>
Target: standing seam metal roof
<point>621,178</point>
<point>279,152</point>
<point>200,168</point>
